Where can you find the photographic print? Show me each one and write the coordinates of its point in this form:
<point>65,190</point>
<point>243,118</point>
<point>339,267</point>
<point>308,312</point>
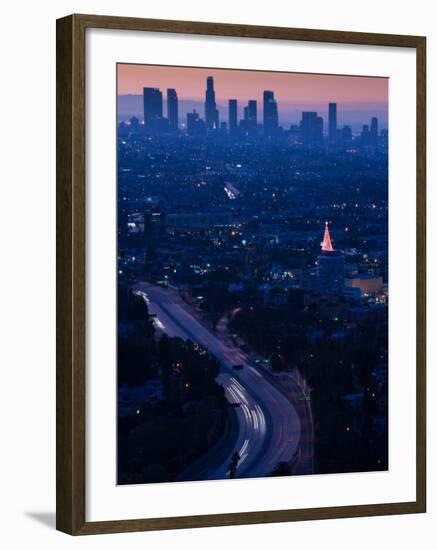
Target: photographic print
<point>252,274</point>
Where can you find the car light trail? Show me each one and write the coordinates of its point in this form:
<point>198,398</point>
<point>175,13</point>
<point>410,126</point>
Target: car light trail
<point>257,402</point>
<point>243,452</point>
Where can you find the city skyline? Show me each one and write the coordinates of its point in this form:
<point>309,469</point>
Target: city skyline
<point>309,132</point>
<point>358,98</point>
<point>252,283</point>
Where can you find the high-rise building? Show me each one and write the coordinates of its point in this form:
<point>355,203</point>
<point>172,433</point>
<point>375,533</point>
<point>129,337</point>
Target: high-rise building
<point>233,117</point>
<point>332,122</point>
<point>252,113</point>
<point>374,131</point>
<point>249,123</point>
<point>211,111</point>
<point>270,113</point>
<point>365,135</point>
<point>195,125</point>
<point>330,266</point>
<point>172,110</point>
<point>152,101</point>
<point>346,135</point>
<point>311,128</point>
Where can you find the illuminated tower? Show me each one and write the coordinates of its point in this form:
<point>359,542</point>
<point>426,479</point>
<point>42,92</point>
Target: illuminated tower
<point>330,266</point>
<point>327,244</point>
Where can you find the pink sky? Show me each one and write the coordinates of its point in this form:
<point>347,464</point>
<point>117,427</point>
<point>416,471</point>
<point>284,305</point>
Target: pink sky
<point>290,88</point>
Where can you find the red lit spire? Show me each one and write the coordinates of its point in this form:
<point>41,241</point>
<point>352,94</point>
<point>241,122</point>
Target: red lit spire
<point>327,244</point>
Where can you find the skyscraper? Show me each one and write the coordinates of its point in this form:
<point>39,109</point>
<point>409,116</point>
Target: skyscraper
<point>233,116</point>
<point>311,128</point>
<point>172,110</point>
<point>252,113</point>
<point>270,113</point>
<point>374,131</point>
<point>332,122</point>
<point>346,135</point>
<point>195,125</point>
<point>365,135</point>
<point>211,112</point>
<point>152,101</point>
<point>249,123</point>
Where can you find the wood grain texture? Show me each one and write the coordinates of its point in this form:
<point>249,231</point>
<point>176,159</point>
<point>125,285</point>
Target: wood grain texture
<point>71,273</point>
<point>70,256</point>
<point>421,274</point>
<point>247,31</point>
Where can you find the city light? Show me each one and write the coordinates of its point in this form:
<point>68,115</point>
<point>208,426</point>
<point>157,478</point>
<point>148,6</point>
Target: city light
<point>252,280</point>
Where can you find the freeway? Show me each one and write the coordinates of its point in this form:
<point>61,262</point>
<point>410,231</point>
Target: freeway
<point>268,426</point>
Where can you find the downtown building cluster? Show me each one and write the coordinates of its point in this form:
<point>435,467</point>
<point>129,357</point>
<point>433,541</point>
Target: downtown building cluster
<point>310,131</point>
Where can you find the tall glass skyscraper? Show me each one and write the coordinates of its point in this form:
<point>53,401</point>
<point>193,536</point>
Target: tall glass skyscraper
<point>172,110</point>
<point>211,112</point>
<point>233,116</point>
<point>332,122</point>
<point>374,131</point>
<point>195,125</point>
<point>311,128</point>
<point>152,102</point>
<point>252,113</point>
<point>270,113</point>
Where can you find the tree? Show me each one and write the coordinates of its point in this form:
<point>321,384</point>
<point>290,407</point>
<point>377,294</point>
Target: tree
<point>235,459</point>
<point>277,362</point>
<point>282,469</point>
<point>165,355</point>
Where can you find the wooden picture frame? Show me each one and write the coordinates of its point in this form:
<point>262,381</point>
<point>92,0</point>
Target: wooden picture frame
<point>71,247</point>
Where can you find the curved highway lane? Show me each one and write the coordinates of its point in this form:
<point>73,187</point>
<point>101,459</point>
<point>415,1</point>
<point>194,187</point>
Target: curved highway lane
<point>268,425</point>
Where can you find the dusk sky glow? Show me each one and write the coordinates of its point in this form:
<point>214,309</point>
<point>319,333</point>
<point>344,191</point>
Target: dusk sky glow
<point>293,91</point>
